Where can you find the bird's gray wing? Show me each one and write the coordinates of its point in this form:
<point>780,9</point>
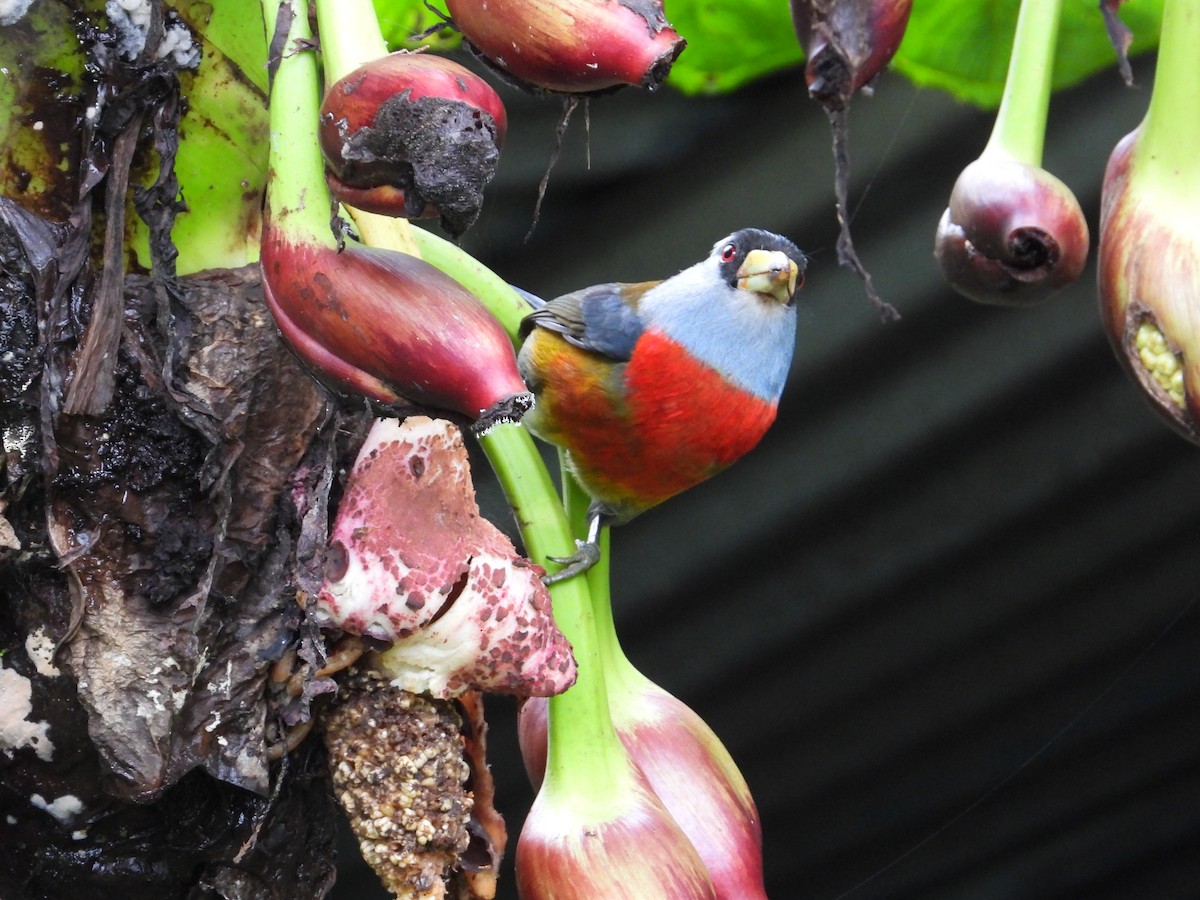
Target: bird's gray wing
<point>603,318</point>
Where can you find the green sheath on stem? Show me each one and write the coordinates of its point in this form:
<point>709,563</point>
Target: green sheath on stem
<point>586,762</point>
<point>297,198</point>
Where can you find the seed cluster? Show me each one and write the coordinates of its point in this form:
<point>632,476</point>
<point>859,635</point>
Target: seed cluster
<point>1160,361</point>
<point>399,773</point>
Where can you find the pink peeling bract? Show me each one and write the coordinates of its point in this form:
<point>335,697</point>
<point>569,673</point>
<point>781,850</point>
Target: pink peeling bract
<point>412,561</point>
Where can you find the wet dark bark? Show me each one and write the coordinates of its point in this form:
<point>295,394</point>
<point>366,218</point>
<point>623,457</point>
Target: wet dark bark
<point>152,561</point>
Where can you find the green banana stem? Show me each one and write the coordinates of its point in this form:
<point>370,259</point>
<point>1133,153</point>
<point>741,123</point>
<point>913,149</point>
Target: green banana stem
<point>1020,129</point>
<point>587,766</point>
<point>298,201</point>
<point>621,676</point>
<point>493,291</point>
<point>350,36</point>
<point>1167,151</point>
<point>586,762</point>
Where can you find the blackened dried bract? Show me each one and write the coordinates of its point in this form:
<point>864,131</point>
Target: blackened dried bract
<point>439,153</point>
<point>202,839</point>
<point>151,543</point>
<point>126,85</point>
<point>412,135</point>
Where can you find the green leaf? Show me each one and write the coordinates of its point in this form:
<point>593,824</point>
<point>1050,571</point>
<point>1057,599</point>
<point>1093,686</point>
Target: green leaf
<point>223,139</point>
<point>404,21</point>
<point>952,45</point>
<point>730,44</point>
<point>963,48</point>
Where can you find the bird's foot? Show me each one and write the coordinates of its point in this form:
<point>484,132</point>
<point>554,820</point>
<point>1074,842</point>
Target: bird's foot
<point>586,555</point>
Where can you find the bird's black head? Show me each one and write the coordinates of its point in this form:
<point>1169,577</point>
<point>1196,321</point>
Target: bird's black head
<point>731,251</point>
<point>767,269</point>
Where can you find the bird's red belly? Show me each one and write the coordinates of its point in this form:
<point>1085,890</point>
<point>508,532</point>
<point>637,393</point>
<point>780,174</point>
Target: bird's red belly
<point>649,429</point>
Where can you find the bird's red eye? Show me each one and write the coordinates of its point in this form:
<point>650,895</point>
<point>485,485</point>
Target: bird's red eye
<point>728,252</point>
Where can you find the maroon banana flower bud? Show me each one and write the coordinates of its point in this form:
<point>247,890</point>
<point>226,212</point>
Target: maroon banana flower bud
<point>688,769</point>
<point>1149,255</point>
<point>1012,235</point>
<point>847,43</point>
<point>411,562</point>
<point>413,135</point>
<point>571,46</point>
<point>634,848</point>
<point>389,326</point>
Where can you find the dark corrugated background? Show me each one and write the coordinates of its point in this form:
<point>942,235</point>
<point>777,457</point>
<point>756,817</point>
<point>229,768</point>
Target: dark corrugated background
<point>942,616</point>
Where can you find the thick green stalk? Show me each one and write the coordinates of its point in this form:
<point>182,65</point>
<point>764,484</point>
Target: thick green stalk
<point>620,675</point>
<point>1168,151</point>
<point>588,769</point>
<point>493,291</point>
<point>530,492</point>
<point>297,198</point>
<point>1020,129</point>
<point>350,36</point>
<point>612,656</point>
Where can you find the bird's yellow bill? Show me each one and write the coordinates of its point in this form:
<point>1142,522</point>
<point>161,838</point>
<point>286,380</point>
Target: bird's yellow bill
<point>769,272</point>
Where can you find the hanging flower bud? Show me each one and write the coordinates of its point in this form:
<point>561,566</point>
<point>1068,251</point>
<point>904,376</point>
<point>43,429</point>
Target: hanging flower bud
<point>688,769</point>
<point>412,563</point>
<point>847,43</point>
<point>1149,274</point>
<point>571,46</point>
<point>569,851</point>
<point>1149,258</point>
<point>1012,235</point>
<point>389,326</point>
<point>412,135</point>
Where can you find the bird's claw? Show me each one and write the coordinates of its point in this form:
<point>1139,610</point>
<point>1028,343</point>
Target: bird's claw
<point>586,555</point>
